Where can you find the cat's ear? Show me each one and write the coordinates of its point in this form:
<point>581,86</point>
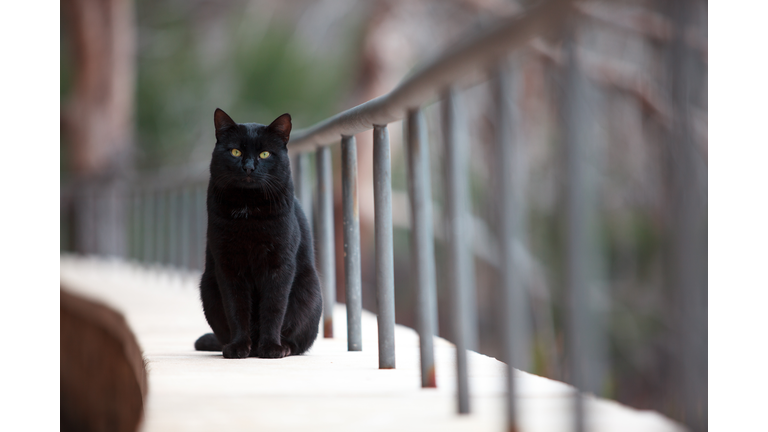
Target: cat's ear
<point>222,121</point>
<point>281,127</point>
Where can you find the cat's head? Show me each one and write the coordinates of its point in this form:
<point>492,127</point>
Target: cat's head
<point>250,155</point>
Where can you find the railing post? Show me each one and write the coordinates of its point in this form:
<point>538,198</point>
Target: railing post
<point>511,228</point>
<point>135,235</point>
<point>172,198</point>
<point>148,231</point>
<point>422,242</point>
<point>351,243</point>
<point>86,219</point>
<point>325,251</point>
<point>98,209</point>
<point>385,270</point>
<point>303,185</point>
<point>585,304</point>
<point>161,234</point>
<point>574,242</point>
<point>185,229</point>
<point>458,230</point>
<point>201,206</point>
<point>685,182</point>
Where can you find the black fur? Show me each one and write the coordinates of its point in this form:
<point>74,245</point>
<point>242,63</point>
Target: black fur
<point>260,290</point>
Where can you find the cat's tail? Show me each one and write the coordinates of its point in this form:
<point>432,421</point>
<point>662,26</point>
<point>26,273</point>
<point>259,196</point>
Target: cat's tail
<point>208,342</point>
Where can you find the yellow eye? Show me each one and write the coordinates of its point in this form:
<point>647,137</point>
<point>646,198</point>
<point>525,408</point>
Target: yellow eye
<point>264,155</point>
<point>236,152</point>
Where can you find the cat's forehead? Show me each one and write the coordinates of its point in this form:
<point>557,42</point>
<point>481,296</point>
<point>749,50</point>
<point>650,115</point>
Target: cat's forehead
<point>254,134</point>
<point>250,136</point>
<point>253,131</point>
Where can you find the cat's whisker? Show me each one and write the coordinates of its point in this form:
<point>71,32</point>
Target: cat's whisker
<point>266,188</point>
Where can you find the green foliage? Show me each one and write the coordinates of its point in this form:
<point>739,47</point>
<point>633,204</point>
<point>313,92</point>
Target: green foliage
<point>276,75</point>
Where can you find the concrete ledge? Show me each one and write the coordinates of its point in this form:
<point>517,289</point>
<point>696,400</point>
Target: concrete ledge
<point>326,389</point>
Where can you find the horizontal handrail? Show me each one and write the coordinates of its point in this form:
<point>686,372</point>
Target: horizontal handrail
<point>473,54</point>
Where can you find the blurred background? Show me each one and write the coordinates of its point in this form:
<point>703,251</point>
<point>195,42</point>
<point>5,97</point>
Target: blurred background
<point>140,81</point>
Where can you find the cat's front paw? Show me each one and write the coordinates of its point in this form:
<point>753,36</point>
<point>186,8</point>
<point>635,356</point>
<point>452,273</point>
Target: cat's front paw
<point>271,350</point>
<point>236,350</point>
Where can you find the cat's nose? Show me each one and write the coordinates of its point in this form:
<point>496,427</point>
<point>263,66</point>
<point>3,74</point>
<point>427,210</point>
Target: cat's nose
<point>248,166</point>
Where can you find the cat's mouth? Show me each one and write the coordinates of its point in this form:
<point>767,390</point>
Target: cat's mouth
<point>249,181</point>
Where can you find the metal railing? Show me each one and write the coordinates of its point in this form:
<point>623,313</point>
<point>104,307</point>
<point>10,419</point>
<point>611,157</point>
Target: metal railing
<point>444,75</point>
<point>167,219</point>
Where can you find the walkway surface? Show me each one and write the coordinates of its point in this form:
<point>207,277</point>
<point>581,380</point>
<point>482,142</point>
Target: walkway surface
<point>326,389</point>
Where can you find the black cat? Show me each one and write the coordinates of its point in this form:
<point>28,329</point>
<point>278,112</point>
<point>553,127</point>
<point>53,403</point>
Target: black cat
<point>260,290</point>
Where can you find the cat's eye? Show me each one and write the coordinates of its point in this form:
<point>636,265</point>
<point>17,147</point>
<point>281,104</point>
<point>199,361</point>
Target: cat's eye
<point>264,155</point>
<point>235,152</point>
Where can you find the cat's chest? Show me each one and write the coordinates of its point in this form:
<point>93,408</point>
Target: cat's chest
<point>251,237</point>
<point>245,212</point>
<point>249,250</point>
